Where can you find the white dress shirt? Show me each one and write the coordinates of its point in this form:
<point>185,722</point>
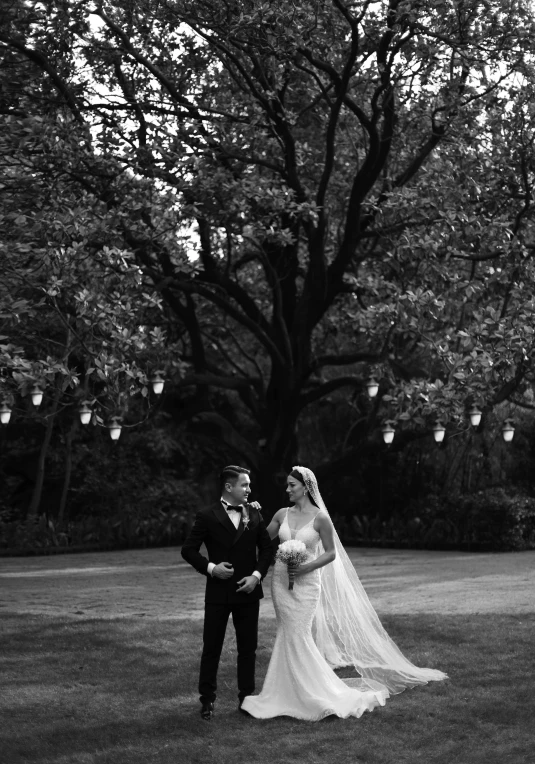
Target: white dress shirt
<point>235,520</point>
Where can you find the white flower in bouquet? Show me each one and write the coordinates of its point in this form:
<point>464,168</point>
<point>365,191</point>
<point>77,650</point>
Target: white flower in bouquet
<point>292,552</point>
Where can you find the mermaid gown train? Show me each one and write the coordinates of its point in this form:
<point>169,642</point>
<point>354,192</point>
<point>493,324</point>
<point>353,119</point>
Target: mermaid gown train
<point>299,681</point>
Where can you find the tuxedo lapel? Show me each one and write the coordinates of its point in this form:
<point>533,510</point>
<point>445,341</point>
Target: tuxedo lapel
<point>241,526</point>
<point>224,519</point>
<point>239,532</point>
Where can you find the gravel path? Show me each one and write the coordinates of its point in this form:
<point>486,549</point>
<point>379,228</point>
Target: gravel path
<point>157,583</point>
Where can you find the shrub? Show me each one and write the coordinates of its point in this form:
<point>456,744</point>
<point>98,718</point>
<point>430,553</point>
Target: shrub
<point>494,519</point>
<point>161,517</point>
<point>499,519</point>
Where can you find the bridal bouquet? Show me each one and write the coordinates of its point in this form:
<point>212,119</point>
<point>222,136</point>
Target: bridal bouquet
<point>292,552</point>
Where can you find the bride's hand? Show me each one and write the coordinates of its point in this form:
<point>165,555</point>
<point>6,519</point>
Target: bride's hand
<point>297,570</point>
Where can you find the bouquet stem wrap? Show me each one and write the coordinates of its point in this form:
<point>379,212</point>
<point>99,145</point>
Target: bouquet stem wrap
<point>292,553</point>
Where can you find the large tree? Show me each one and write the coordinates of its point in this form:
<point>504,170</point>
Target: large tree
<point>315,189</point>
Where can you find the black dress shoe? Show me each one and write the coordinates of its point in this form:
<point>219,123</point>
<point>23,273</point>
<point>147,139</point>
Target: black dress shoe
<point>207,711</point>
<point>242,710</point>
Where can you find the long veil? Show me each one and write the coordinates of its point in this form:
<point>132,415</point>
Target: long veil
<point>347,630</point>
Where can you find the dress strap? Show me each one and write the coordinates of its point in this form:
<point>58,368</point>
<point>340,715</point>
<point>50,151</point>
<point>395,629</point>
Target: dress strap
<point>286,519</point>
<point>314,518</point>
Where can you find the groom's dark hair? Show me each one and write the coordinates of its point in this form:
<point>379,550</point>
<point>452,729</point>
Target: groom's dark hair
<point>230,474</point>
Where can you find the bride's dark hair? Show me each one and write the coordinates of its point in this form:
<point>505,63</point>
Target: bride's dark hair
<point>298,476</point>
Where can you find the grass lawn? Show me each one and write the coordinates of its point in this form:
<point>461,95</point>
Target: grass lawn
<point>123,691</point>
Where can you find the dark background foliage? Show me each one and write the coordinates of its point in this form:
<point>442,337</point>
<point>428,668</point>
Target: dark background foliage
<point>267,203</point>
<point>472,492</point>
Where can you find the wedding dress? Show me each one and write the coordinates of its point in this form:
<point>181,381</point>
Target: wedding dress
<point>299,681</point>
<point>325,622</point>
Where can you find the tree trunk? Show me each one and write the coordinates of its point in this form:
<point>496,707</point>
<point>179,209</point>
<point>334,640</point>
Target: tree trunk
<point>269,487</point>
<point>451,485</point>
<point>40,476</point>
<point>67,473</point>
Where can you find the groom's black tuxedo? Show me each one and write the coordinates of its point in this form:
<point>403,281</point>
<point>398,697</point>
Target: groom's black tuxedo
<point>224,543</point>
<point>248,549</point>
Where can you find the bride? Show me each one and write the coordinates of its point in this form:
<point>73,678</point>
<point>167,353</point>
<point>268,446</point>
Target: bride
<point>326,621</point>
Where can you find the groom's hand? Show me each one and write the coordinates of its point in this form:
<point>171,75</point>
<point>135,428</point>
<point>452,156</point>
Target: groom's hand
<point>223,570</point>
<point>247,584</point>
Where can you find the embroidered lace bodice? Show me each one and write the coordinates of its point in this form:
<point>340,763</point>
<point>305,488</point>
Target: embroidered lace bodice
<point>307,534</point>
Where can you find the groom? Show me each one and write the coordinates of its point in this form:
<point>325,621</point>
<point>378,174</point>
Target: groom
<point>232,531</point>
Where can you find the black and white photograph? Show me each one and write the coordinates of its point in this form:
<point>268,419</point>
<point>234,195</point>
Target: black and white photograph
<point>267,381</point>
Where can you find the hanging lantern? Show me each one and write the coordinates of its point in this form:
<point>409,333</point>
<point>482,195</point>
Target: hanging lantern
<point>115,427</point>
<point>388,431</point>
<point>372,386</point>
<point>508,430</point>
<point>85,412</point>
<point>158,383</point>
<point>5,413</point>
<point>439,430</point>
<point>37,396</point>
<point>475,416</point>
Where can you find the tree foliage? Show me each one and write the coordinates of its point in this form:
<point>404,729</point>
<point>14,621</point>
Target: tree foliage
<point>314,190</point>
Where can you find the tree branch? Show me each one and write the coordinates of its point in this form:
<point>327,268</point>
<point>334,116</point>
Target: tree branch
<point>197,288</point>
<point>344,359</point>
<point>132,100</point>
<point>328,387</point>
<point>217,380</point>
<point>44,64</point>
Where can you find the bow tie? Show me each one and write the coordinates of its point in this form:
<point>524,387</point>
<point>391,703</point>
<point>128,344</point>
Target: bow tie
<point>231,507</point>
